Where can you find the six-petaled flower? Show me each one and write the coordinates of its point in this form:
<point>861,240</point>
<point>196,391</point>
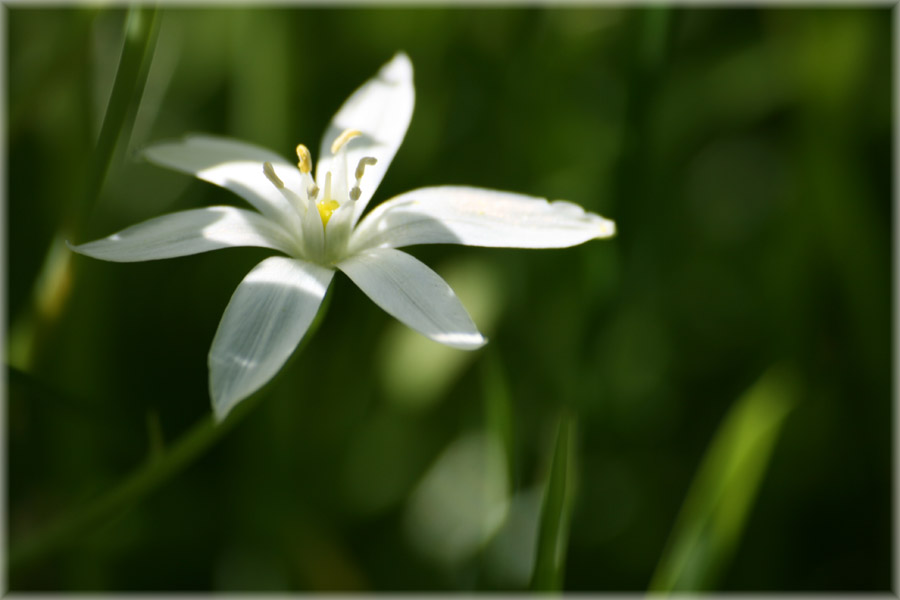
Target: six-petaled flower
<point>316,225</point>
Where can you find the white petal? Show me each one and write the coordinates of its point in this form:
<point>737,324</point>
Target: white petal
<point>189,232</point>
<point>381,109</point>
<point>267,316</point>
<point>477,217</point>
<point>408,290</point>
<point>234,165</point>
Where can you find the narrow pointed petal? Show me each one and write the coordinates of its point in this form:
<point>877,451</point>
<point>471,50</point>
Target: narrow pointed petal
<point>381,110</point>
<point>234,165</point>
<point>477,217</point>
<point>414,294</point>
<point>266,318</point>
<point>189,232</point>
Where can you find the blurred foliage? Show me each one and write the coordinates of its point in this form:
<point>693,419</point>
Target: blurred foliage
<point>745,156</point>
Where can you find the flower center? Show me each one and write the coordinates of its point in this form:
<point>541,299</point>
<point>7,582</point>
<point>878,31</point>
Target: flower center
<point>328,203</point>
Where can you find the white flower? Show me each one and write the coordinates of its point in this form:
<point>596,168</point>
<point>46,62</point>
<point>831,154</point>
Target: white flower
<point>316,225</point>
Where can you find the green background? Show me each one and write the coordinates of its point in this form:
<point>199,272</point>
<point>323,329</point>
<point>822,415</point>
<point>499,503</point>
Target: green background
<point>745,156</point>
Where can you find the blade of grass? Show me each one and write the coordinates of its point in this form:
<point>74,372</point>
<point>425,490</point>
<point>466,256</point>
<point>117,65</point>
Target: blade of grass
<point>141,28</point>
<point>54,283</point>
<point>553,529</point>
<point>711,521</point>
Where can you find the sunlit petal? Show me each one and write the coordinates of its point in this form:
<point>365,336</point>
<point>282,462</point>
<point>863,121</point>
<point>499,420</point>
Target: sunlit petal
<point>477,217</point>
<point>381,110</point>
<point>189,232</point>
<point>267,316</point>
<point>414,294</point>
<point>234,165</point>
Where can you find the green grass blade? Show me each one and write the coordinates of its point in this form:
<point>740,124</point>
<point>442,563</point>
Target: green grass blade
<point>141,27</point>
<point>54,283</point>
<point>553,532</point>
<point>712,519</point>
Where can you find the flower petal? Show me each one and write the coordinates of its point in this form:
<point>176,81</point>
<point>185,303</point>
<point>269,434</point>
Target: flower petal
<point>381,110</point>
<point>477,217</point>
<point>189,232</point>
<point>267,316</point>
<point>417,296</point>
<point>234,165</point>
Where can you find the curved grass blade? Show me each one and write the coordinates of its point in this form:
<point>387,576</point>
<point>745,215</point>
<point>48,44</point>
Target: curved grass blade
<point>141,29</point>
<point>553,532</point>
<point>54,283</point>
<point>711,521</point>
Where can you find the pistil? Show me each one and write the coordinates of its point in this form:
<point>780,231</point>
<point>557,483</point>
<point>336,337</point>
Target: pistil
<point>328,204</point>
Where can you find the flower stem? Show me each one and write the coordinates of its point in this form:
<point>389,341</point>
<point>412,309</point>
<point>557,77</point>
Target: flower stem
<point>162,466</point>
<point>144,480</point>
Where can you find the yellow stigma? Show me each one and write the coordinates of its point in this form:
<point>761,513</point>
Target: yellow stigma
<point>305,158</point>
<point>328,204</point>
<point>342,139</point>
<point>326,208</point>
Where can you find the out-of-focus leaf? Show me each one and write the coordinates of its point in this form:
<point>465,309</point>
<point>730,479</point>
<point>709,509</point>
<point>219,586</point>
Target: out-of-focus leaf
<point>461,501</point>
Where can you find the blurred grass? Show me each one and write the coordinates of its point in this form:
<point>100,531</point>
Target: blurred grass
<point>712,519</point>
<point>553,530</point>
<point>55,280</point>
<point>745,155</point>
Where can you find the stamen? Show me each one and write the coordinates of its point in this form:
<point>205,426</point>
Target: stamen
<point>342,139</point>
<point>361,167</point>
<point>305,164</point>
<point>355,193</point>
<point>312,191</point>
<point>269,170</point>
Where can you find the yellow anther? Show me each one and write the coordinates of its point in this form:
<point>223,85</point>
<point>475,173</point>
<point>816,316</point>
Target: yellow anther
<point>305,158</point>
<point>342,139</point>
<point>326,208</point>
<point>363,162</point>
<point>269,170</point>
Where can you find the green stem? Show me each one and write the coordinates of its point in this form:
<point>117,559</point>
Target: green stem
<point>144,480</point>
<point>161,467</point>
